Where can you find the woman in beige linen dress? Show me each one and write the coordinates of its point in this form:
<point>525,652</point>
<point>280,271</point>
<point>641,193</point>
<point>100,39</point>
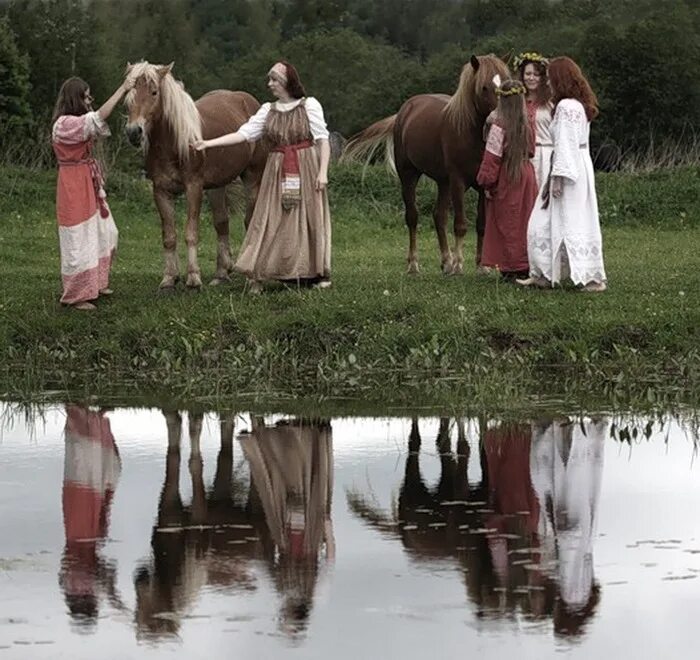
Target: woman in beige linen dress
<point>289,236</point>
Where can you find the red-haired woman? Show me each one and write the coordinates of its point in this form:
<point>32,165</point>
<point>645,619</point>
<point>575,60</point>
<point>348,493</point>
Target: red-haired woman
<point>86,231</point>
<point>532,71</point>
<point>289,236</point>
<point>564,238</point>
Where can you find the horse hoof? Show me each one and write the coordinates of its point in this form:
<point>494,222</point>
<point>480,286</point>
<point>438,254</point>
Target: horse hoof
<point>219,279</point>
<point>193,281</point>
<point>413,268</point>
<point>458,269</point>
<point>168,284</point>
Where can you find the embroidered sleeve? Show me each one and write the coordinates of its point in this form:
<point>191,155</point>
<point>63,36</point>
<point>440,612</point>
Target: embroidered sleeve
<point>490,168</point>
<point>494,142</point>
<point>566,133</point>
<point>95,126</point>
<point>317,122</point>
<point>253,129</point>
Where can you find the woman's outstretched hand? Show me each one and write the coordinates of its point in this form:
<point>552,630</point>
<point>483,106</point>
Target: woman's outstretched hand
<point>199,145</point>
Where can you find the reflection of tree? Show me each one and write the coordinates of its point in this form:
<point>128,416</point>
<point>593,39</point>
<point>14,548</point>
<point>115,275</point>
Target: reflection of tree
<point>91,473</point>
<point>205,542</point>
<point>522,536</point>
<point>291,466</point>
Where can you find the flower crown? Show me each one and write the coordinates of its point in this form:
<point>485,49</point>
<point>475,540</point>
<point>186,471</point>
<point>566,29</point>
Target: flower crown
<point>515,89</point>
<point>524,58</point>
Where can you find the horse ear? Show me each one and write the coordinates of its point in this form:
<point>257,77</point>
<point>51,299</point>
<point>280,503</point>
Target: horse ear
<point>474,61</point>
<point>507,57</point>
<point>165,70</point>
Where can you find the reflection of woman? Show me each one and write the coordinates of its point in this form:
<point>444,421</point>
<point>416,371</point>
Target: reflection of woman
<point>566,465</point>
<point>91,473</point>
<point>289,237</point>
<point>291,466</point>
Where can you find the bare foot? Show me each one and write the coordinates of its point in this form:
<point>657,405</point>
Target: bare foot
<point>539,282</point>
<point>84,306</point>
<point>595,287</point>
<point>106,292</point>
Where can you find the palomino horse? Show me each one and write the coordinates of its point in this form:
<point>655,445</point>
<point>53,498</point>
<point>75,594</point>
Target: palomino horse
<point>442,137</point>
<point>165,121</point>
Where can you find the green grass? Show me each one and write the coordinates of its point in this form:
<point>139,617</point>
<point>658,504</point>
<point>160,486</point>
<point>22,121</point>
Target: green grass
<point>378,335</point>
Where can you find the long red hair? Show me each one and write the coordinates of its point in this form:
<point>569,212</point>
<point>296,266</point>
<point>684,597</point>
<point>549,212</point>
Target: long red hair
<point>568,82</point>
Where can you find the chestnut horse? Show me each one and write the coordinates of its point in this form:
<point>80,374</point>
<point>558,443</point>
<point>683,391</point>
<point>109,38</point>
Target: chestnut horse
<point>165,121</point>
<point>440,136</point>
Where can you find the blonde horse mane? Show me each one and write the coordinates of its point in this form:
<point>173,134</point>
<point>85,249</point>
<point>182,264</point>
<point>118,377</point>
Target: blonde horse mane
<point>179,109</point>
<point>461,108</point>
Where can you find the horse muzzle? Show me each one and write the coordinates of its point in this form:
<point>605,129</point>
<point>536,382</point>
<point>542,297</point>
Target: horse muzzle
<point>134,133</point>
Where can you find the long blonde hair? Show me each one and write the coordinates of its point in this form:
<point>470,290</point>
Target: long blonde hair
<point>512,117</point>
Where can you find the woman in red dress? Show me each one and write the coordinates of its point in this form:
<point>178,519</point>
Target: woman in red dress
<point>508,179</point>
<point>87,234</point>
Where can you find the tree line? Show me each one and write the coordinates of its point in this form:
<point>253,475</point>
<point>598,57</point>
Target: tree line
<point>361,58</point>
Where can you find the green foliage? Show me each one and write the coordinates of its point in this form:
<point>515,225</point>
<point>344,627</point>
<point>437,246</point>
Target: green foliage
<point>377,333</point>
<point>363,58</point>
<point>15,113</point>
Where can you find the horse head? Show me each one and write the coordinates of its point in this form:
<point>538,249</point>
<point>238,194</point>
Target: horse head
<point>145,100</point>
<point>485,68</point>
<point>475,96</point>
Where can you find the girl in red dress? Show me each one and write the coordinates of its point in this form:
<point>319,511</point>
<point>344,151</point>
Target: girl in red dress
<point>87,234</point>
<point>508,179</point>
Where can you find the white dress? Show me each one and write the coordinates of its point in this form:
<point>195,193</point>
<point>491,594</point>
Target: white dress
<point>543,144</point>
<point>566,468</point>
<point>564,240</point>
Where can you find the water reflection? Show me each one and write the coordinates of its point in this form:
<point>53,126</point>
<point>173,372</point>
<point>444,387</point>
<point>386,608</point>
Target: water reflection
<point>522,535</point>
<point>291,465</point>
<point>207,542</point>
<point>280,515</point>
<point>90,476</point>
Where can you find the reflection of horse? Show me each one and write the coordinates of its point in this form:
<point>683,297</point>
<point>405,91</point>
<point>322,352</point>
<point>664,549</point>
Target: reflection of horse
<point>280,515</point>
<point>291,467</point>
<point>207,542</point>
<point>490,529</point>
<point>165,120</point>
<point>442,137</point>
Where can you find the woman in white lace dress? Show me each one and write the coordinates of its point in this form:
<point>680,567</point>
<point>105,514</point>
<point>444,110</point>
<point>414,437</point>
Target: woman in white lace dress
<point>564,238</point>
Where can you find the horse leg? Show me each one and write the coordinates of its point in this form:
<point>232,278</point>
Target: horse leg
<point>460,225</point>
<point>480,226</point>
<point>219,209</point>
<point>409,181</point>
<point>251,182</point>
<point>166,210</point>
<point>194,193</point>
<point>199,502</point>
<point>442,205</point>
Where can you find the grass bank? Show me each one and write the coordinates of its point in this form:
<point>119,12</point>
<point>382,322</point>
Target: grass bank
<point>378,335</point>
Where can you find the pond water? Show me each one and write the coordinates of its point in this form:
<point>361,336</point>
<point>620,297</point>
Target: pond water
<point>142,533</point>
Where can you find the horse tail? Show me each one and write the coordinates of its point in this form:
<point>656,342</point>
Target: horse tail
<point>363,146</point>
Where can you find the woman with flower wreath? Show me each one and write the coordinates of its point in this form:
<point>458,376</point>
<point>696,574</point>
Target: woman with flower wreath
<point>532,71</point>
<point>563,236</point>
<point>508,179</point>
